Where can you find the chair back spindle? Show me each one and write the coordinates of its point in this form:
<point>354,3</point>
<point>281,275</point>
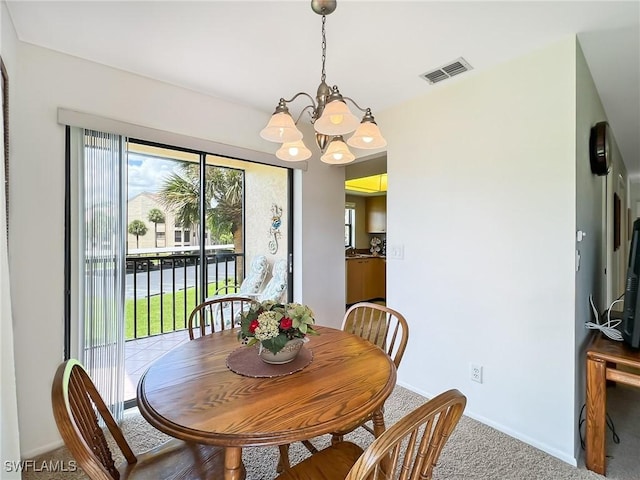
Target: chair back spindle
<point>217,314</point>
<point>381,325</point>
<point>410,449</point>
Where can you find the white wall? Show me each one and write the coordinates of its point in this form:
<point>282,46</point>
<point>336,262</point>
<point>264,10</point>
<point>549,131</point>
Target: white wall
<point>591,218</point>
<point>9,436</point>
<point>488,270</point>
<point>50,80</point>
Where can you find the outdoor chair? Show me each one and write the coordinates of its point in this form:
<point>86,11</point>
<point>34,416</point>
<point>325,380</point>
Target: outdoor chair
<point>217,314</point>
<point>276,287</point>
<point>252,282</point>
<point>408,450</point>
<point>76,404</point>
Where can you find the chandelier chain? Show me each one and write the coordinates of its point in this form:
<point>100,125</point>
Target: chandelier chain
<point>324,48</point>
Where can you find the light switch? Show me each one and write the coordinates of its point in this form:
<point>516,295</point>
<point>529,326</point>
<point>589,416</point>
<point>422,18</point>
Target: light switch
<point>395,252</point>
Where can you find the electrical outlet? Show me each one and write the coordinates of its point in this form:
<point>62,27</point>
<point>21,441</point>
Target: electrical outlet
<point>476,373</point>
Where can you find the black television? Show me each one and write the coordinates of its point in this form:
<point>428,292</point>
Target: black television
<point>631,311</point>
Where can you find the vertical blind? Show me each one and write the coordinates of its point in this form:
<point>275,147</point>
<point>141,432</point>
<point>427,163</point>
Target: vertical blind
<point>101,249</point>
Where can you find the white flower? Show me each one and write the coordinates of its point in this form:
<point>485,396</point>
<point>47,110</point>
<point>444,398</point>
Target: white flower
<point>268,323</point>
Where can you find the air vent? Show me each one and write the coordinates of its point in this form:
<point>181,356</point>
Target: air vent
<point>449,70</point>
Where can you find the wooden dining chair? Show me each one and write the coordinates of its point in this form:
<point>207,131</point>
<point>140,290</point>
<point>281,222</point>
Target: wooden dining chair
<point>76,406</point>
<point>380,325</point>
<point>409,450</point>
<point>217,314</point>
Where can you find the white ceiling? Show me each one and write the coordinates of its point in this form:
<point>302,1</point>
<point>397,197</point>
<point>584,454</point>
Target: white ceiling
<point>256,52</point>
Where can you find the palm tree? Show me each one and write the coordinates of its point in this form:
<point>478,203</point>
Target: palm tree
<point>155,216</point>
<point>225,187</point>
<point>180,193</point>
<point>137,228</point>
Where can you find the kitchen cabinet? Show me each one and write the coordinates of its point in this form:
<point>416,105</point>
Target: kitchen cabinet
<point>376,214</point>
<point>366,279</point>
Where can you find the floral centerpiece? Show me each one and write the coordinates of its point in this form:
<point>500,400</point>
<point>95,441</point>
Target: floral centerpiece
<point>274,324</point>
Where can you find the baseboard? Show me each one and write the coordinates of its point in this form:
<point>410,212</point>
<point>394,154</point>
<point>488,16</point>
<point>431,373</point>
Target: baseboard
<point>567,458</point>
<point>41,450</point>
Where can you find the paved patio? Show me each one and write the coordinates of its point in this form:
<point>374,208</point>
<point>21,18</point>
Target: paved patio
<point>140,354</point>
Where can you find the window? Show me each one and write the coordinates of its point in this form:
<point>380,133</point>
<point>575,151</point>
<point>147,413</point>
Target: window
<point>349,225</point>
<point>177,236</point>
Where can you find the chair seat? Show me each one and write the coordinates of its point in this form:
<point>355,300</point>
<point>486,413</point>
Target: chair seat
<point>176,459</point>
<point>332,463</point>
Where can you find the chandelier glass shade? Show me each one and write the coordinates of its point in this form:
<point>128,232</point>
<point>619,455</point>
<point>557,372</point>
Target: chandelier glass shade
<point>293,151</point>
<point>281,129</point>
<point>336,119</point>
<point>329,114</point>
<point>337,152</point>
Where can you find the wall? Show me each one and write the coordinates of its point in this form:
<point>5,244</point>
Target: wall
<point>264,186</point>
<point>49,80</point>
<point>590,219</point>
<point>9,435</point>
<point>487,274</point>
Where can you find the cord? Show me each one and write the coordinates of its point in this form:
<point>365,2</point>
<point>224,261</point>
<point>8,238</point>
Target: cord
<point>610,425</point>
<point>609,327</point>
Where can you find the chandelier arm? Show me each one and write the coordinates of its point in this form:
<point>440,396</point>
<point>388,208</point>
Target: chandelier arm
<point>356,105</point>
<point>304,110</point>
<point>313,103</point>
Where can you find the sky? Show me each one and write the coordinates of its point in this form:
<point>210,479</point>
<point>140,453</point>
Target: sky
<point>147,173</point>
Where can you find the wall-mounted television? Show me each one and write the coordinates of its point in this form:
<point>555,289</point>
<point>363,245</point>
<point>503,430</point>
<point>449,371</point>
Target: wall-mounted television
<point>631,311</point>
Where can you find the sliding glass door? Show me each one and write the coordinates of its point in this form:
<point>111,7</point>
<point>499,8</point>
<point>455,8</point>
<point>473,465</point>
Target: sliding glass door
<point>191,223</point>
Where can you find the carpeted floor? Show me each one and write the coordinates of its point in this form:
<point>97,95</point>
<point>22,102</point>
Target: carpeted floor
<point>474,451</point>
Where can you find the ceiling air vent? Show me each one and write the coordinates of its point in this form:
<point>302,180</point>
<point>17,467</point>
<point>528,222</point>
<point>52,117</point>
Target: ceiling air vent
<point>449,70</point>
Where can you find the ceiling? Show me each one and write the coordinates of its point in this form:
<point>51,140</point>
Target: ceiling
<point>255,52</point>
<point>371,185</point>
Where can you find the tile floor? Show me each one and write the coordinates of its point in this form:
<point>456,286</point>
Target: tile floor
<point>139,354</point>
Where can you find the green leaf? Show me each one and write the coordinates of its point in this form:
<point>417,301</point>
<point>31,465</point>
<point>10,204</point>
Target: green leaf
<point>275,344</point>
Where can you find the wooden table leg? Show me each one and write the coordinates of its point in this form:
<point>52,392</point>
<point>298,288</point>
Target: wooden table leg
<point>283,460</point>
<point>378,423</point>
<point>596,413</point>
<point>378,429</point>
<point>233,467</point>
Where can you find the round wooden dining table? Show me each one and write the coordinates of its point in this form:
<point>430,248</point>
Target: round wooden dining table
<point>191,394</point>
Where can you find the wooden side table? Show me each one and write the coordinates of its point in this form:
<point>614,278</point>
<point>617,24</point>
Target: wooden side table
<point>604,356</point>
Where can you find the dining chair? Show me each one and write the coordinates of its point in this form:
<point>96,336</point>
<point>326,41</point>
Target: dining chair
<point>408,450</point>
<point>217,314</point>
<point>380,325</point>
<point>252,282</point>
<point>76,406</point>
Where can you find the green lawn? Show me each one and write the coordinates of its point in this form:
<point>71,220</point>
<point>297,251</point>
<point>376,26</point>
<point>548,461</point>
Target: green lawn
<point>175,312</point>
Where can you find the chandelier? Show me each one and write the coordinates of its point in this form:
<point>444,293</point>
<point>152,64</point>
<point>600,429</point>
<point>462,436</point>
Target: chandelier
<point>329,114</point>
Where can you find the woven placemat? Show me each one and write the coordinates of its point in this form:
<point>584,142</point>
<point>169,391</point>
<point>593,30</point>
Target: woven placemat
<point>246,361</point>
